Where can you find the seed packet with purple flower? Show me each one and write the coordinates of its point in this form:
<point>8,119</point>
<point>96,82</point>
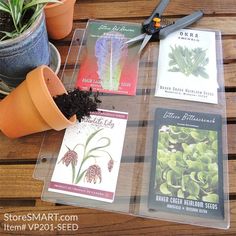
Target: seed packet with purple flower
<point>90,156</point>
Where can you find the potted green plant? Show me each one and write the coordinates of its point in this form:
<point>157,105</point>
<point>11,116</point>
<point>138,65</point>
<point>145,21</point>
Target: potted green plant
<point>41,102</point>
<point>23,39</point>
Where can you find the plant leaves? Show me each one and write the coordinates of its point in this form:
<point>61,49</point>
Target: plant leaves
<point>174,167</point>
<point>110,52</point>
<point>9,35</point>
<point>201,71</point>
<point>172,63</point>
<point>192,169</point>
<point>191,197</point>
<point>158,174</point>
<point>4,6</point>
<point>164,189</point>
<point>91,137</point>
<point>214,181</point>
<point>18,9</point>
<point>184,182</point>
<point>73,172</point>
<point>97,148</point>
<point>214,198</point>
<point>188,61</point>
<point>194,165</point>
<point>199,135</point>
<point>37,2</point>
<point>213,167</point>
<point>193,188</point>
<point>170,178</point>
<point>202,177</point>
<point>180,193</point>
<point>80,177</point>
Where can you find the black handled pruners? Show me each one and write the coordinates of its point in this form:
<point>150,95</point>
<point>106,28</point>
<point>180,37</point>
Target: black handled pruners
<point>157,27</point>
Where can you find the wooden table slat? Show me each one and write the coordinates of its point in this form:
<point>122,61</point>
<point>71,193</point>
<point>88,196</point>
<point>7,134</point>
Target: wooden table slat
<point>15,149</point>
<point>16,180</point>
<point>127,9</point>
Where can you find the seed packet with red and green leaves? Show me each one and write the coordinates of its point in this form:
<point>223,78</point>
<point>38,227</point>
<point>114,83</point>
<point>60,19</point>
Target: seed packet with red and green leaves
<point>110,65</point>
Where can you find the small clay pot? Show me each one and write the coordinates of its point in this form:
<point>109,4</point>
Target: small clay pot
<point>59,18</point>
<point>30,107</point>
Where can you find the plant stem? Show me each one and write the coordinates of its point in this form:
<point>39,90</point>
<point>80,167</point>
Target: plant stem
<point>14,22</point>
<point>78,174</point>
<point>111,68</point>
<point>73,172</point>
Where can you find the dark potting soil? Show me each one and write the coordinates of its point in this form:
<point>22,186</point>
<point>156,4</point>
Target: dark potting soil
<point>6,23</point>
<point>77,102</point>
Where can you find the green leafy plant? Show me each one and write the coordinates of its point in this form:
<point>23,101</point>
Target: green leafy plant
<point>188,61</point>
<point>187,163</point>
<point>22,13</point>
<point>93,172</point>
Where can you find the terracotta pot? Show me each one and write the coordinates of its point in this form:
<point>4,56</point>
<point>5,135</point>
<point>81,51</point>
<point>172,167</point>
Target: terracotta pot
<point>59,18</point>
<point>30,107</point>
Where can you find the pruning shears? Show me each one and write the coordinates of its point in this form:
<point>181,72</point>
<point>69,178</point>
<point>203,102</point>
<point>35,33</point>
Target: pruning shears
<point>157,27</point>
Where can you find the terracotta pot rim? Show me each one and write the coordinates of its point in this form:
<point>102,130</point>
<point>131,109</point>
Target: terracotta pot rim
<point>52,5</point>
<point>51,107</point>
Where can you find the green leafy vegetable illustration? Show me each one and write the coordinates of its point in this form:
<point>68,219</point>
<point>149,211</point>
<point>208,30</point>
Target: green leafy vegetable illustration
<point>187,163</point>
<point>111,53</point>
<point>188,61</point>
<point>93,172</point>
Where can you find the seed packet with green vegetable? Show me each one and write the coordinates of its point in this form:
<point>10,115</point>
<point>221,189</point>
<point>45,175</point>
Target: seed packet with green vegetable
<point>187,164</point>
<point>187,66</point>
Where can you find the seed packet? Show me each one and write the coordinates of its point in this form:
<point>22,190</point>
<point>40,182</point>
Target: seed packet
<point>90,157</point>
<point>187,66</point>
<point>110,65</point>
<point>187,164</point>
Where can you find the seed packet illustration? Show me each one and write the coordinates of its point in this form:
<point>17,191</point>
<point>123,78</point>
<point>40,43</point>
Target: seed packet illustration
<point>110,65</point>
<point>90,156</point>
<point>187,165</point>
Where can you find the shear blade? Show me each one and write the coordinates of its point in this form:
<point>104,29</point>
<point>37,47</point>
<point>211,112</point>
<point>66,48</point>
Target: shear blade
<point>136,39</point>
<point>145,41</point>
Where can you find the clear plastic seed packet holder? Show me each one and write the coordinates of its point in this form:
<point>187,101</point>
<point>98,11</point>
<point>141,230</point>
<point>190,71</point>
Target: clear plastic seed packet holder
<point>175,185</point>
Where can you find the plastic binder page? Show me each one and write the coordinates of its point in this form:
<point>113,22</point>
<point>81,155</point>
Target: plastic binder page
<point>166,155</point>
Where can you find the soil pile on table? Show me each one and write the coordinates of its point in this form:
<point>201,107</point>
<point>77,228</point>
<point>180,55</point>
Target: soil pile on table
<point>77,102</point>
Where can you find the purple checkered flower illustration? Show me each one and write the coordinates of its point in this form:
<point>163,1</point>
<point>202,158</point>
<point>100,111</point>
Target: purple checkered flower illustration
<point>94,147</point>
<point>110,164</point>
<point>93,174</point>
<point>70,157</point>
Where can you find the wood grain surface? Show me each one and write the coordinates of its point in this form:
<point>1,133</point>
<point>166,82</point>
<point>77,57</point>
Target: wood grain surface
<point>20,193</point>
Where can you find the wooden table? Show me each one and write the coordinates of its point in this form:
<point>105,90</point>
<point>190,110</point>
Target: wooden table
<point>20,194</point>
